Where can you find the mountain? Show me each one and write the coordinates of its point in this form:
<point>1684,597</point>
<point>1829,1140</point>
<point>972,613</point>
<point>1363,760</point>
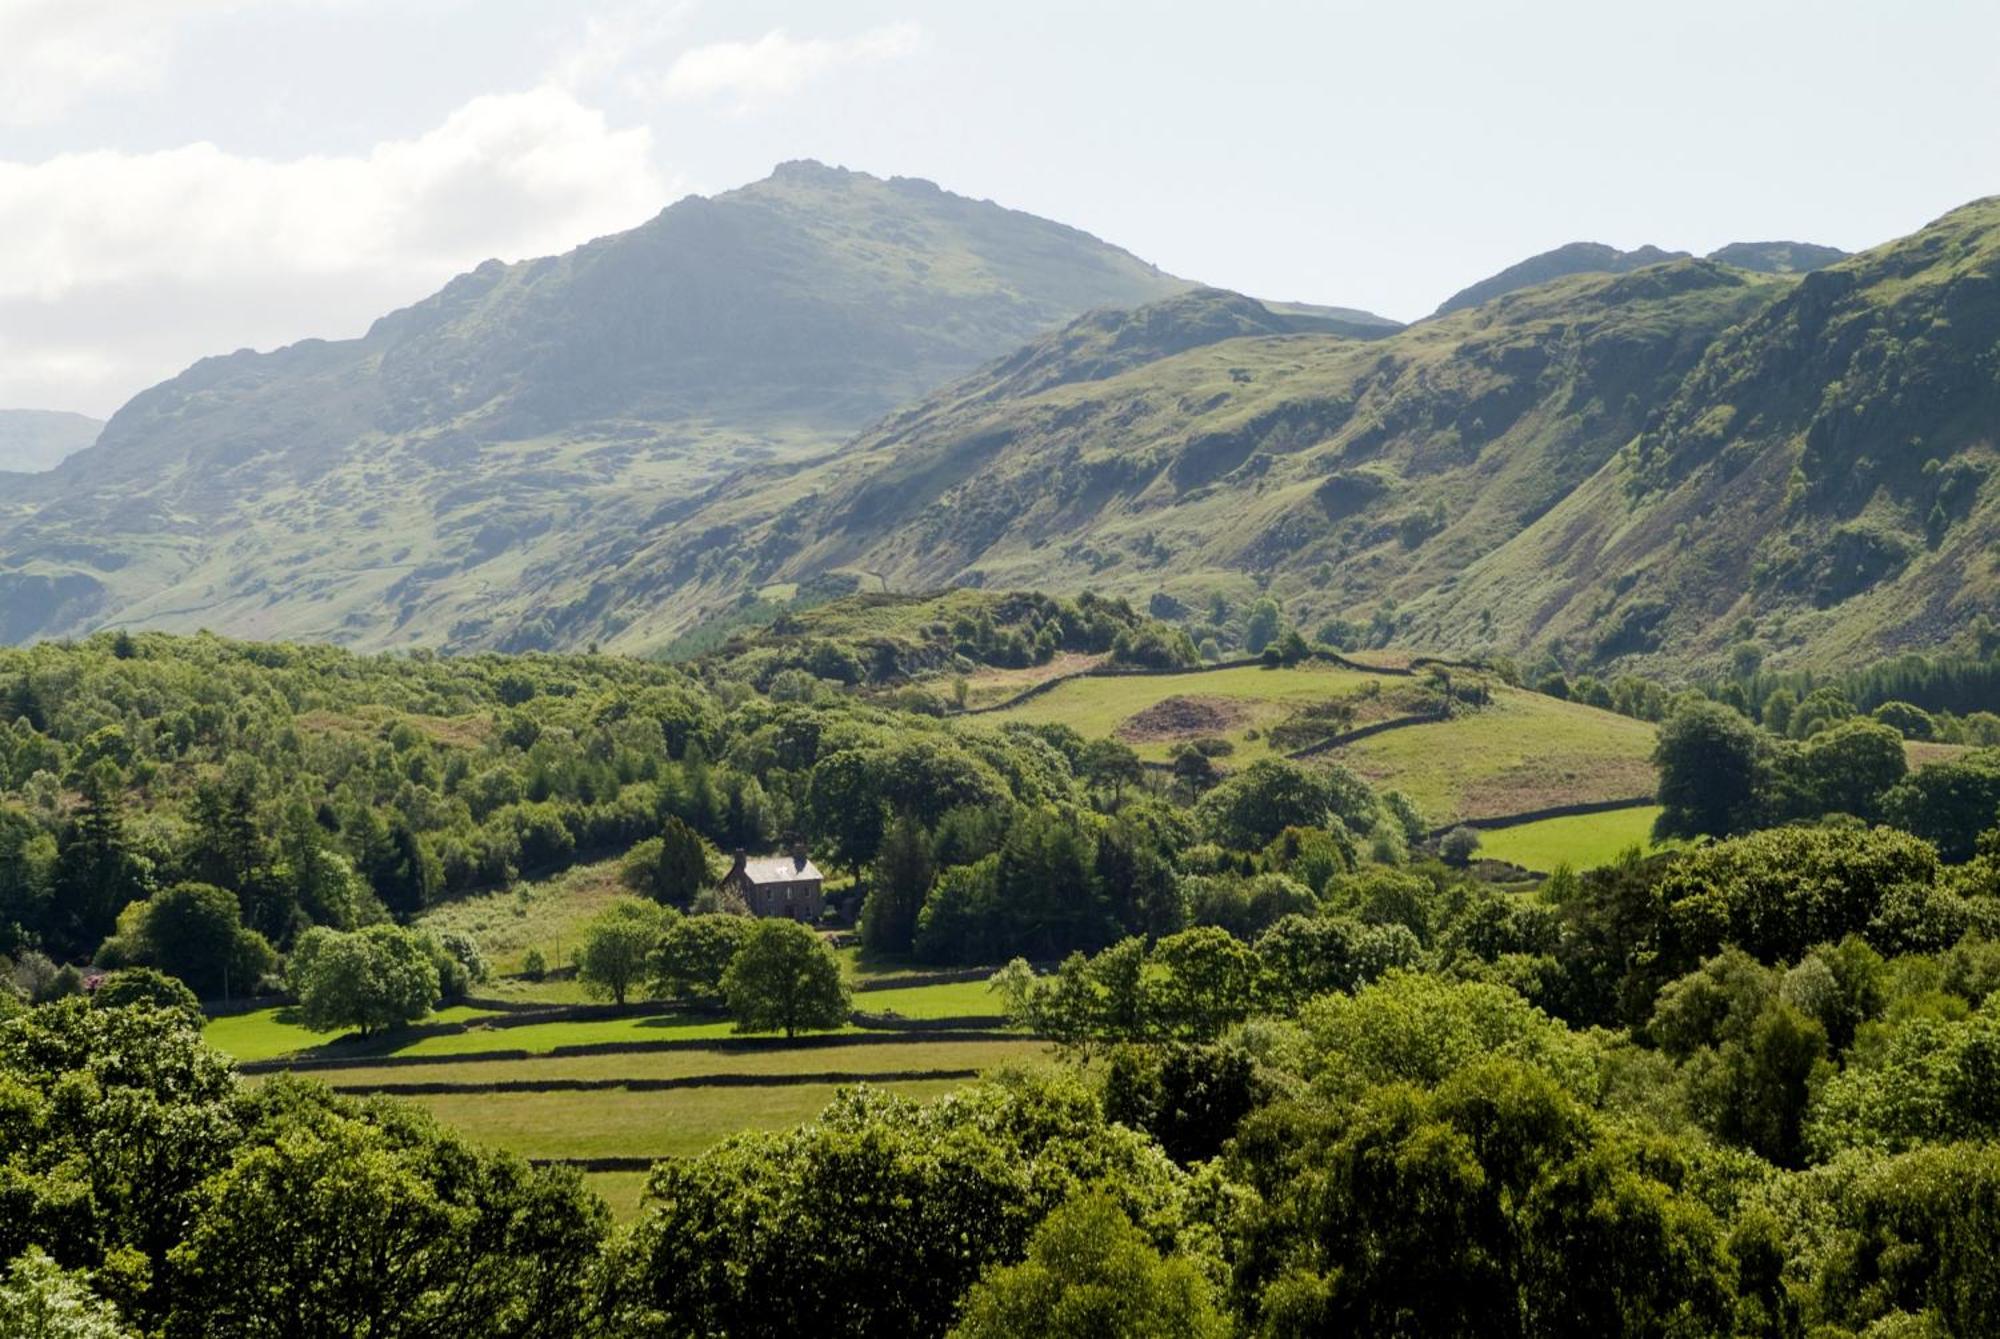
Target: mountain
<point>1596,258</point>
<point>1576,258</point>
<point>1820,485</point>
<point>1206,445</point>
<point>437,480</point>
<point>1658,465</point>
<point>33,440</point>
<point>1778,257</point>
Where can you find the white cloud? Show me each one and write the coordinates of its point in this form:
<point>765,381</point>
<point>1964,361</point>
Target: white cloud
<point>57,53</point>
<point>777,64</point>
<point>117,269</point>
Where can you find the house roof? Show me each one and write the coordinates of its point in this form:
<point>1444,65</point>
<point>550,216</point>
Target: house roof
<point>780,869</point>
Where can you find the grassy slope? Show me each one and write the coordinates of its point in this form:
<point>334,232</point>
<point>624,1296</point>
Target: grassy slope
<point>1208,469</point>
<point>548,915</point>
<point>1525,752</point>
<point>1096,707</point>
<point>1793,480</point>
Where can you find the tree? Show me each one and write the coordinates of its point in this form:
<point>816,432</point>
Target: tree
<point>671,868</point>
<point>195,932</point>
<point>335,1219</point>
<point>1459,846</point>
<point>1047,889</point>
<point>1091,1274</point>
<point>143,986</point>
<point>1112,764</point>
<point>1261,628</point>
<point>873,1219</point>
<point>380,977</point>
<point>898,884</point>
<point>693,953</point>
<point>785,977</point>
<point>1948,803</point>
<point>41,1300</point>
<point>617,944</point>
<point>1713,772</point>
<point>1850,767</point>
<point>1209,982</point>
<point>96,870</point>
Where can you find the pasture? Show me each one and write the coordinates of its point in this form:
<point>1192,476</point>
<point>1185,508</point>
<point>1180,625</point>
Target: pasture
<point>1239,705</point>
<point>1582,841</point>
<point>1523,752</point>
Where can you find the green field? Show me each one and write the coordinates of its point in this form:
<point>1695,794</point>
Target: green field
<point>957,999</point>
<point>270,1033</point>
<point>1581,842</point>
<point>625,1124</point>
<point>1250,699</point>
<point>871,1058</point>
<point>1524,752</point>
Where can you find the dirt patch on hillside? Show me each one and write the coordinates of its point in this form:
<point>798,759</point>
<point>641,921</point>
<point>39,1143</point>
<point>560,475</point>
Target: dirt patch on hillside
<point>1183,718</point>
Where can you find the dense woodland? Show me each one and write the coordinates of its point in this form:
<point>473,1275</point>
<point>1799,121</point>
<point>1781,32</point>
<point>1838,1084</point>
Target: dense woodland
<point>1319,1073</point>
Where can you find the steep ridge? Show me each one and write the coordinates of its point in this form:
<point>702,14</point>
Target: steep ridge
<point>434,481</point>
<point>1819,487</point>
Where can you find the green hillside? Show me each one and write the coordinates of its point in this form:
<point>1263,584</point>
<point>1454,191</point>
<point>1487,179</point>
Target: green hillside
<point>1331,471</point>
<point>1658,465</point>
<point>463,473</point>
<point>1816,488</point>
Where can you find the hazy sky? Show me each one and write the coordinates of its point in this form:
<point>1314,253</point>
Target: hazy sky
<point>181,177</point>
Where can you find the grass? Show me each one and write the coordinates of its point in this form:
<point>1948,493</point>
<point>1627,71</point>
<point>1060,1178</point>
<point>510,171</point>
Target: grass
<point>957,999</point>
<point>623,1191</point>
<point>1256,697</point>
<point>548,915</point>
<point>1582,842</point>
<point>626,1124</point>
<point>270,1033</point>
<point>1524,752</point>
<point>863,1059</point>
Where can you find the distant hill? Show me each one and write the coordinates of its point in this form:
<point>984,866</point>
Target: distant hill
<point>1778,257</point>
<point>1596,258</point>
<point>1575,258</point>
<point>482,454</point>
<point>33,440</point>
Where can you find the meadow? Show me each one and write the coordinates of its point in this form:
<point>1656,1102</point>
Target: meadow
<point>1523,751</point>
<point>1581,841</point>
<point>1240,704</point>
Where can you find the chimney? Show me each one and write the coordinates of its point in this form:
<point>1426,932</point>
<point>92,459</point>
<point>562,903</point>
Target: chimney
<point>798,853</point>
<point>736,867</point>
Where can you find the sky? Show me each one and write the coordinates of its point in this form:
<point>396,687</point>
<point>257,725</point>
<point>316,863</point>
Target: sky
<point>186,177</point>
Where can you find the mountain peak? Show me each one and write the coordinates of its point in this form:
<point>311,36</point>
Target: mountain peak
<point>1573,258</point>
<point>1778,257</point>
